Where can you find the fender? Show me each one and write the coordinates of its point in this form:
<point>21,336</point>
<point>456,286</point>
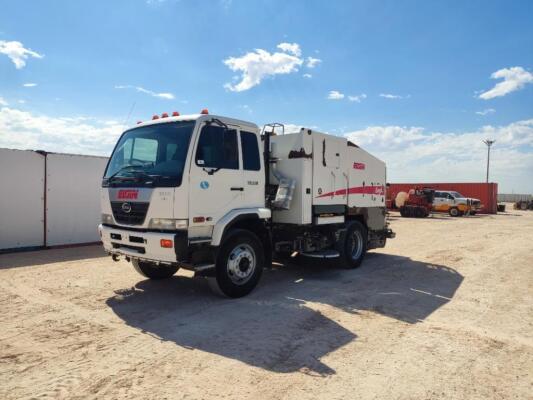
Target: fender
<point>229,218</point>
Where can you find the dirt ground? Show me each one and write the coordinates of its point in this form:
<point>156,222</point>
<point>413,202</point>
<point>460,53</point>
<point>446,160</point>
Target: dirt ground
<point>444,311</point>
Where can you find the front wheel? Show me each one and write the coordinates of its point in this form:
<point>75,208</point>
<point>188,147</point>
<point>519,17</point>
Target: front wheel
<point>152,270</point>
<point>239,264</point>
<point>454,212</point>
<point>352,244</point>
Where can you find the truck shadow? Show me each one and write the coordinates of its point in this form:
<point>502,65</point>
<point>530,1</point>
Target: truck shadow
<point>279,327</point>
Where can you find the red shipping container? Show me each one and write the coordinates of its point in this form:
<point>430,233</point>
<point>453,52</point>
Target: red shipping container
<point>486,192</point>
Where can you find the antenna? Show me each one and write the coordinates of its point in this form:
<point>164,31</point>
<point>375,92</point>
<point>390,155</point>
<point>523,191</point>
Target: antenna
<point>129,115</point>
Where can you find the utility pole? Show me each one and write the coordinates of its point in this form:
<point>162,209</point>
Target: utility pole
<point>489,143</point>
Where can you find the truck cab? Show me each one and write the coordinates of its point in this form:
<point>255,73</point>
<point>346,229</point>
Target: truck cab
<point>215,195</point>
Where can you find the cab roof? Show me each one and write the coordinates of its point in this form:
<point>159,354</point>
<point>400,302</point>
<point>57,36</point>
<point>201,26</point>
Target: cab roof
<point>196,117</point>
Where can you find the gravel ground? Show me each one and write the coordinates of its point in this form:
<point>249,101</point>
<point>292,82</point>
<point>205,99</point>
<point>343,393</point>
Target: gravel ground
<point>444,311</point>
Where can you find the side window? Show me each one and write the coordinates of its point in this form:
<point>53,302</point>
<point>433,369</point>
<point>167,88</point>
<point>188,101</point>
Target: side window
<point>217,148</point>
<point>250,151</point>
<point>438,194</point>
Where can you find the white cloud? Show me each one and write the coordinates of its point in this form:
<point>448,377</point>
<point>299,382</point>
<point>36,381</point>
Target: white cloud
<point>308,76</point>
<point>293,48</point>
<point>83,135</point>
<point>413,154</point>
<point>259,64</point>
<point>312,62</point>
<point>22,101</point>
<point>335,95</point>
<point>486,111</point>
<point>167,96</point>
<point>357,98</point>
<point>17,53</point>
<point>247,108</point>
<point>3,102</point>
<point>393,96</point>
<point>29,85</point>
<point>514,78</point>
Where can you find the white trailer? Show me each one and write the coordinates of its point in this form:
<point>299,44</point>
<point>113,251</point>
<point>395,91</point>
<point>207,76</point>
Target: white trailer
<point>217,196</point>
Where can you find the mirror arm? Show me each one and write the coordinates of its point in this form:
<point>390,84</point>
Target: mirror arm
<point>217,122</point>
<point>211,171</point>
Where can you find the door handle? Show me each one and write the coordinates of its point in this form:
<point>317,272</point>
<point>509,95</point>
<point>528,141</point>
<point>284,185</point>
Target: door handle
<point>240,189</point>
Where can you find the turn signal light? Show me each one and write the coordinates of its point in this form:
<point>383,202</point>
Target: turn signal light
<point>164,115</point>
<point>175,114</point>
<point>198,220</point>
<point>155,117</point>
<point>166,243</point>
<point>205,111</point>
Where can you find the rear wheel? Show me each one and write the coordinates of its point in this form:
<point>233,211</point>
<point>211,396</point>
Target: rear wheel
<point>152,270</point>
<point>239,264</point>
<point>352,244</point>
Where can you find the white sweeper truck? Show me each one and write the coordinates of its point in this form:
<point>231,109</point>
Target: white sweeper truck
<point>222,197</point>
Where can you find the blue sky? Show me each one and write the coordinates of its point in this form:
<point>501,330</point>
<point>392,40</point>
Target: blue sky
<point>410,81</point>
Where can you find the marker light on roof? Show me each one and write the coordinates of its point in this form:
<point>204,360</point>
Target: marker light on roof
<point>164,115</point>
<point>205,111</point>
<point>175,114</point>
<point>139,122</point>
<point>155,117</point>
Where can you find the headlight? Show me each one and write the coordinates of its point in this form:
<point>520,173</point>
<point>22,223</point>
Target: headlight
<point>107,219</point>
<point>168,224</point>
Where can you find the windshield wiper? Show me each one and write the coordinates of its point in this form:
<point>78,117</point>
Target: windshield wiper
<point>124,168</point>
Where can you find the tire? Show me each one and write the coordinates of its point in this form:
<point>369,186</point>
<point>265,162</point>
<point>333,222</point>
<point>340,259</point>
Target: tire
<point>153,271</point>
<point>454,212</point>
<point>239,264</point>
<point>473,212</point>
<point>352,245</point>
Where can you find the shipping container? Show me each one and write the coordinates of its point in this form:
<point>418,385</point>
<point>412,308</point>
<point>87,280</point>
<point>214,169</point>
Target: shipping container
<point>513,197</point>
<point>486,192</point>
<point>49,199</point>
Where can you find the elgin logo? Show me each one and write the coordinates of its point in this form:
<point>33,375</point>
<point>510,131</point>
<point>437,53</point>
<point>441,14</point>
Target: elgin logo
<point>358,165</point>
<point>128,194</point>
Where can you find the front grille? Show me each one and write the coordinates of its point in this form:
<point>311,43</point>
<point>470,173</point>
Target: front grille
<point>136,215</point>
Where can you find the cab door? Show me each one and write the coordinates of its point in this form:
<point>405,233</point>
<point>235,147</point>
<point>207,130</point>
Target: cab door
<point>253,173</point>
<point>216,181</point>
<point>439,202</point>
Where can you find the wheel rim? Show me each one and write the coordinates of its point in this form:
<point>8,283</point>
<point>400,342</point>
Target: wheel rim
<point>241,264</point>
<point>356,245</point>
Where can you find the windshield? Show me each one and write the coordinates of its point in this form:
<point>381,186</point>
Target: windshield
<point>456,195</point>
<point>154,153</point>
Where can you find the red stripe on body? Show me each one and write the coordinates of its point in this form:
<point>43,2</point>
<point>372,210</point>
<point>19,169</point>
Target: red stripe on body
<point>377,190</point>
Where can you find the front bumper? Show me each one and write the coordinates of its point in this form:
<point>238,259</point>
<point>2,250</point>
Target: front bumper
<point>144,245</point>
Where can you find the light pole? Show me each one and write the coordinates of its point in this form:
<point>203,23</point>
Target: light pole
<point>489,143</point>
